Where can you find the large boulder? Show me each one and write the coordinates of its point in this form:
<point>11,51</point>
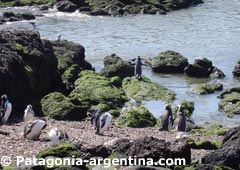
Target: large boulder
<point>201,68</point>
<point>60,107</point>
<point>11,16</point>
<point>236,70</point>
<point>229,153</point>
<point>230,101</point>
<point>28,68</point>
<point>71,61</point>
<point>137,118</point>
<point>94,89</point>
<point>169,62</point>
<point>145,89</point>
<point>115,66</point>
<point>66,6</point>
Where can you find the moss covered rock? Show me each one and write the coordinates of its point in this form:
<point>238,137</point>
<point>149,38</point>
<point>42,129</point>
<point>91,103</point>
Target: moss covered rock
<point>203,144</point>
<point>206,88</point>
<point>200,68</point>
<point>60,107</point>
<point>230,101</point>
<point>213,129</point>
<point>169,62</point>
<point>94,89</point>
<point>236,70</point>
<point>188,108</point>
<point>137,118</point>
<point>145,89</point>
<point>115,66</point>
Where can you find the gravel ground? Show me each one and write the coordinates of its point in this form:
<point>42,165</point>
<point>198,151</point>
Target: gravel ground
<point>15,145</point>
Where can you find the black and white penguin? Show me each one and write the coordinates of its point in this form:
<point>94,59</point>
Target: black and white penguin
<point>166,118</point>
<point>6,108</point>
<point>28,113</point>
<point>100,121</point>
<point>59,37</point>
<point>56,135</point>
<point>33,128</point>
<point>180,120</point>
<point>138,68</point>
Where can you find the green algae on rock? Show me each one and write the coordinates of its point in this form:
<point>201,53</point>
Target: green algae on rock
<point>230,101</point>
<point>137,118</point>
<point>145,89</point>
<point>203,144</point>
<point>206,88</point>
<point>60,107</point>
<point>213,129</point>
<point>169,62</point>
<point>95,89</point>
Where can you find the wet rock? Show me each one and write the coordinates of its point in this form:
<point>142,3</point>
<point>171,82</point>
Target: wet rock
<point>28,68</point>
<point>169,62</point>
<point>217,73</point>
<point>208,130</point>
<point>60,107</point>
<point>230,101</point>
<point>66,6</point>
<point>201,68</point>
<point>43,7</point>
<point>99,11</point>
<point>145,89</point>
<point>115,10</point>
<point>137,118</point>
<point>236,70</point>
<point>228,154</point>
<point>95,89</point>
<point>115,66</point>
<point>11,16</point>
<point>206,88</point>
<point>203,144</point>
<point>145,168</point>
<point>79,3</point>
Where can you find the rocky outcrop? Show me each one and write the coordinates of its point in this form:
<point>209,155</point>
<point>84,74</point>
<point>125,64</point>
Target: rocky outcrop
<point>115,66</point>
<point>145,89</point>
<point>229,153</point>
<point>137,118</point>
<point>169,62</point>
<point>236,70</point>
<point>206,88</point>
<point>230,101</point>
<point>11,16</point>
<point>94,89</point>
<point>60,107</point>
<point>66,6</point>
<point>28,68</point>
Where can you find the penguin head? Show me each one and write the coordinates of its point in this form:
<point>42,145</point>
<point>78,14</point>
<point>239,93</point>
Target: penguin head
<point>4,97</point>
<point>29,107</point>
<point>138,58</point>
<point>179,107</point>
<point>92,112</point>
<point>168,106</point>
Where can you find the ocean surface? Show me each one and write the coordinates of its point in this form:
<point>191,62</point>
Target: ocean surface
<point>209,30</point>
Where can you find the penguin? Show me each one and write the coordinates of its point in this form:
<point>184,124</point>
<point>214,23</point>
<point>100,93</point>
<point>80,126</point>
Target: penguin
<point>34,28</point>
<point>28,113</point>
<point>190,124</point>
<point>138,68</point>
<point>6,108</point>
<point>166,118</point>
<point>57,135</point>
<point>59,37</point>
<point>100,121</point>
<point>180,120</point>
<point>33,128</point>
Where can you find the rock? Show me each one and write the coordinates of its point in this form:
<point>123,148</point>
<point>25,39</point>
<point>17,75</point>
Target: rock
<point>11,16</point>
<point>206,88</point>
<point>137,118</point>
<point>145,89</point>
<point>145,168</point>
<point>203,144</point>
<point>201,68</point>
<point>99,11</point>
<point>115,66</point>
<point>28,16</point>
<point>71,61</point>
<point>217,73</point>
<point>115,10</point>
<point>169,62</point>
<point>66,6</point>
<point>149,147</point>
<point>28,69</point>
<point>213,129</point>
<point>79,3</point>
<point>43,7</point>
<point>236,70</point>
<point>188,108</point>
<point>94,89</point>
<point>60,107</point>
<point>228,154</point>
<point>230,101</point>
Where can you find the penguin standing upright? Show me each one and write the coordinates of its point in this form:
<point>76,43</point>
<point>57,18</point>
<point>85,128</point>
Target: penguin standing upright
<point>138,68</point>
<point>166,119</point>
<point>33,128</point>
<point>56,135</point>
<point>100,121</point>
<point>6,108</point>
<point>28,113</point>
<point>180,120</point>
